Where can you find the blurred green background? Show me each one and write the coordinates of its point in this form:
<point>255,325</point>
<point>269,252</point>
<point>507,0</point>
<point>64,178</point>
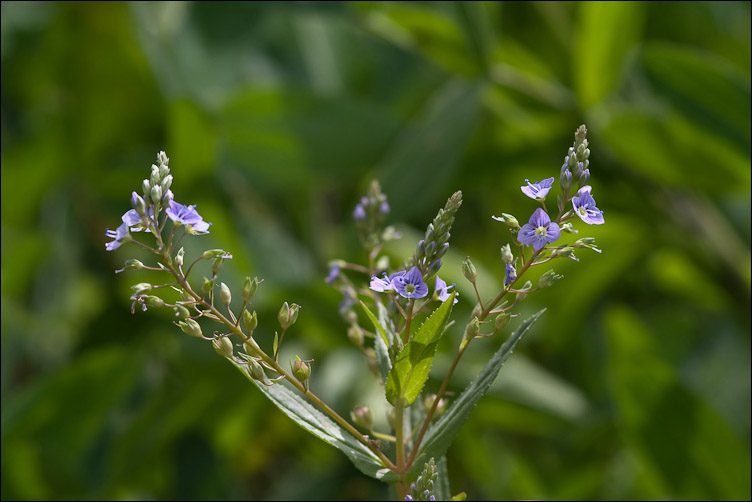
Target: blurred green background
<point>634,385</point>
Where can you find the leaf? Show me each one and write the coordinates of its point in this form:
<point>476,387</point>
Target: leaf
<point>411,367</point>
<point>441,488</point>
<point>440,435</point>
<point>321,426</point>
<point>376,324</point>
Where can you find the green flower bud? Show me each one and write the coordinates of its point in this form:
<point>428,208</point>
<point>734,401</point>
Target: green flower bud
<point>355,334</point>
<point>523,294</point>
<point>179,257</point>
<point>506,254</point>
<point>141,288</point>
<point>191,327</point>
<point>587,242</point>
<point>249,288</point>
<point>225,294</point>
<point>181,312</point>
<point>131,264</point>
<point>217,265</point>
<point>300,370</point>
<point>250,321</point>
<point>471,330</point>
<point>257,371</point>
<point>501,321</point>
<point>166,182</point>
<point>508,220</point>
<point>146,186</point>
<point>207,286</point>
<point>362,417</point>
<point>440,408</point>
<point>547,279</point>
<point>223,346</point>
<point>156,194</point>
<point>468,270</point>
<point>566,252</point>
<point>568,228</point>
<point>215,253</point>
<point>288,314</point>
<point>154,301</point>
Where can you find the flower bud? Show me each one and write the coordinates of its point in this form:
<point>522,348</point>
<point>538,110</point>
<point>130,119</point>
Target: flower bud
<point>547,279</point>
<point>131,264</point>
<point>225,294</point>
<point>215,253</point>
<point>508,220</point>
<point>471,330</point>
<point>587,242</point>
<point>524,291</point>
<point>162,157</point>
<point>146,187</point>
<point>362,417</point>
<point>355,334</point>
<point>191,327</point>
<point>584,176</point>
<point>156,194</point>
<point>217,265</point>
<point>154,178</point>
<point>440,408</point>
<point>288,314</point>
<point>300,370</point>
<point>181,312</point>
<point>566,252</point>
<point>250,321</point>
<point>167,182</point>
<point>207,286</point>
<point>468,270</point>
<point>506,254</point>
<point>179,257</point>
<point>223,346</point>
<point>141,288</point>
<point>566,179</point>
<point>154,301</point>
<point>249,288</point>
<point>501,321</point>
<point>138,204</point>
<point>256,370</point>
<point>568,228</point>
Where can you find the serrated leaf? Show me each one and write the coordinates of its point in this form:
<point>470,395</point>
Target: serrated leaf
<point>440,435</point>
<point>410,370</point>
<point>304,414</point>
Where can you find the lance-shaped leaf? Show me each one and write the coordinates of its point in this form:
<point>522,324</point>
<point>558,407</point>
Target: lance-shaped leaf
<point>381,343</point>
<point>410,370</point>
<point>304,414</point>
<point>440,435</point>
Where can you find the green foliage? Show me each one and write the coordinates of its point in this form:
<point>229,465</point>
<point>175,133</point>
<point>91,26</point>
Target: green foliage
<point>634,385</point>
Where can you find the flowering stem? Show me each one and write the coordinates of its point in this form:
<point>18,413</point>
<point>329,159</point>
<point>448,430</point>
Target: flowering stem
<point>408,318</point>
<point>400,444</point>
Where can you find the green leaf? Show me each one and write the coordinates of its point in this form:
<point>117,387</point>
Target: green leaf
<point>411,367</point>
<point>440,435</point>
<point>441,488</point>
<point>321,426</point>
<point>376,323</point>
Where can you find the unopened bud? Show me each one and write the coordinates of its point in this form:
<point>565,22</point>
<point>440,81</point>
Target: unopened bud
<point>568,228</point>
<point>225,294</point>
<point>547,279</point>
<point>179,257</point>
<point>146,187</point>
<point>584,176</point>
<point>250,321</point>
<point>506,254</point>
<point>141,288</point>
<point>249,288</point>
<point>501,321</point>
<point>131,264</point>
<point>524,291</point>
<point>440,408</point>
<point>138,204</point>
<point>223,346</point>
<point>167,182</point>
<point>471,330</point>
<point>587,242</point>
<point>566,252</point>
<point>362,417</point>
<point>355,334</point>
<point>566,179</point>
<point>154,301</point>
<point>288,314</point>
<point>156,194</point>
<point>207,286</point>
<point>191,327</point>
<point>215,253</point>
<point>181,312</point>
<point>217,265</point>
<point>508,220</point>
<point>468,270</point>
<point>300,370</point>
<point>256,370</point>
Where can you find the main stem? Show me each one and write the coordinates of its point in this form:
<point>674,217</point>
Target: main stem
<point>400,435</point>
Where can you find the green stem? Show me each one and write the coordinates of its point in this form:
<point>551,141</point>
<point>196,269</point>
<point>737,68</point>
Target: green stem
<point>400,440</point>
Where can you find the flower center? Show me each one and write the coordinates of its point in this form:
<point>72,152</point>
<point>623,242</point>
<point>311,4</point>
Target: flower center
<point>582,210</point>
<point>409,288</point>
<point>540,231</point>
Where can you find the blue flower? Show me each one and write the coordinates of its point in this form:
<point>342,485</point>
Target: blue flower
<point>385,284</point>
<point>359,213</point>
<point>539,230</point>
<point>511,275</point>
<point>539,189</point>
<point>410,284</point>
<point>188,216</point>
<point>333,273</point>
<point>443,290</point>
<point>131,221</point>
<point>584,207</point>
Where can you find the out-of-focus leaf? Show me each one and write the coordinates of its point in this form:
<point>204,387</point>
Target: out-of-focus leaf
<point>605,33</point>
<point>441,434</point>
<point>321,426</point>
<point>413,363</point>
<point>713,93</point>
